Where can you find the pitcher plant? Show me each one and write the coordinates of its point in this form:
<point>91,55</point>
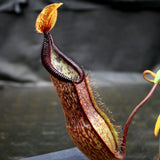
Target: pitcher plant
<point>89,127</point>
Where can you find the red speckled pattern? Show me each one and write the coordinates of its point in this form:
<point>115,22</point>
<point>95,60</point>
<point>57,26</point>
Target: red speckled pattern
<point>79,127</point>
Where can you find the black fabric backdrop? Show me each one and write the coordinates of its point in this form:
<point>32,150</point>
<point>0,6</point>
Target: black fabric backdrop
<point>99,35</point>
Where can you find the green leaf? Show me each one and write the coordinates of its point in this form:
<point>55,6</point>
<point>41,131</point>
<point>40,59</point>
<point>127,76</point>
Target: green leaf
<point>157,78</point>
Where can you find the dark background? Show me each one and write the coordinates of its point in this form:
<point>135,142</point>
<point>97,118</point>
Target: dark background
<point>101,35</point>
<point>115,35</point>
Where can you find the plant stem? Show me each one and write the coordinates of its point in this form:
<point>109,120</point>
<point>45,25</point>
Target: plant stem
<point>123,145</point>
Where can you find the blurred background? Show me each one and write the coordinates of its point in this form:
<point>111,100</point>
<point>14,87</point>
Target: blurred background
<point>115,40</point>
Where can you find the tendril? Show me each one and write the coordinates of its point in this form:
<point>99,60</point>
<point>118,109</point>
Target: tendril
<point>151,73</point>
<point>156,76</point>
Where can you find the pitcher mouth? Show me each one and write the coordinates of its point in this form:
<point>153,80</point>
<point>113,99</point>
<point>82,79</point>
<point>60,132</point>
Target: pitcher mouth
<point>58,64</point>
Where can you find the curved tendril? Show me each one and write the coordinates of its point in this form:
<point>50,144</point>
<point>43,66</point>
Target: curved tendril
<point>151,73</point>
<point>156,81</point>
<point>156,76</point>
